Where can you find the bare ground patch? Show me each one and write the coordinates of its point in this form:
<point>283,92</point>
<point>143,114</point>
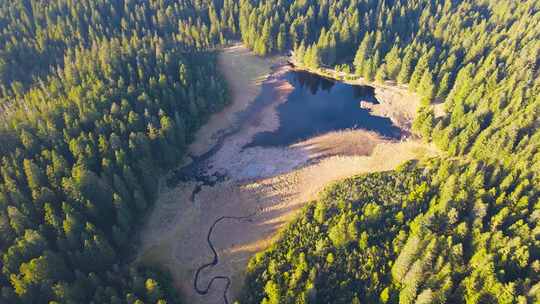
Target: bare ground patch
<point>180,244</point>
<point>438,109</point>
<point>345,143</point>
<point>396,103</point>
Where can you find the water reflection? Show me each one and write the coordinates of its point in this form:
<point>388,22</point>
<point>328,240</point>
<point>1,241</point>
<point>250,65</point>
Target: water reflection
<point>311,81</point>
<point>318,105</point>
<point>367,93</point>
<point>314,83</point>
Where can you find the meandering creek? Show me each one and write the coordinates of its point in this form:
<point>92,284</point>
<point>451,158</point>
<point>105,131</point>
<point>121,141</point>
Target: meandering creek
<point>215,260</point>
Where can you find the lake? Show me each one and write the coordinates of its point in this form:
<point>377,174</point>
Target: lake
<point>318,105</point>
<point>315,106</point>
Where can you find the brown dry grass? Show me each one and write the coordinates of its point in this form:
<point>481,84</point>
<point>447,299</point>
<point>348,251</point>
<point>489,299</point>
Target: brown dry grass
<point>345,142</point>
<point>438,109</point>
<point>180,243</point>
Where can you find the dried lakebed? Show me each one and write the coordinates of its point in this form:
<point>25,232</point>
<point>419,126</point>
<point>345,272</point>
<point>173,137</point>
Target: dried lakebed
<point>265,164</point>
<point>315,105</point>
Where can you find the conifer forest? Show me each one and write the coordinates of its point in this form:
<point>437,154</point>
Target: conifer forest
<point>101,98</point>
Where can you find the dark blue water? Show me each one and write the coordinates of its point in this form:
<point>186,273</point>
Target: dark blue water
<point>318,105</point>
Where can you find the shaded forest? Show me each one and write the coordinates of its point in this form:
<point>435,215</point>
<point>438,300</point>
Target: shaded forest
<point>99,98</point>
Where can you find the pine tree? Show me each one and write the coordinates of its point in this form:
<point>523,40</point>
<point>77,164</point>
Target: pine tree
<point>424,123</point>
<point>315,57</point>
<point>331,50</point>
<point>426,87</point>
<point>266,43</point>
<point>370,67</point>
<point>281,39</point>
<point>420,68</point>
<point>406,69</point>
<point>393,63</point>
<point>444,86</point>
<point>368,70</point>
<point>381,74</point>
<point>300,53</point>
<point>363,53</point>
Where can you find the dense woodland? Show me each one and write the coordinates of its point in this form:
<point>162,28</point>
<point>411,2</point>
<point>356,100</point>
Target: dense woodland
<point>97,98</point>
<point>440,232</point>
<point>36,35</point>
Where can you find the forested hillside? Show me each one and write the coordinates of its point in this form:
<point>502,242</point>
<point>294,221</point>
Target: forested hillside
<point>35,35</point>
<point>463,229</point>
<point>440,232</point>
<point>99,98</point>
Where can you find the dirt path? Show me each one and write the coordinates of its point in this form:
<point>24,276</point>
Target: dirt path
<point>272,182</point>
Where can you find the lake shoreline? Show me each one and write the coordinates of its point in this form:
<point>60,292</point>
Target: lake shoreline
<point>243,93</point>
<point>395,101</point>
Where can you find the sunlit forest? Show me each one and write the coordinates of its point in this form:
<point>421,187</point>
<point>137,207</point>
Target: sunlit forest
<point>98,98</point>
<point>440,232</point>
<point>461,229</point>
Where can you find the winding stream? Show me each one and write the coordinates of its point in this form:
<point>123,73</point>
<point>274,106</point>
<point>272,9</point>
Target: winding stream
<point>215,260</point>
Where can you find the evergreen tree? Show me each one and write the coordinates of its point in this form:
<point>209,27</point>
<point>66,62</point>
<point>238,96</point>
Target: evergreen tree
<point>426,87</point>
<point>406,69</point>
<point>364,51</point>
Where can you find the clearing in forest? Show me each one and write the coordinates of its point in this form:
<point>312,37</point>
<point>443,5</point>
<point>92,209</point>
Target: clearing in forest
<point>271,183</point>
